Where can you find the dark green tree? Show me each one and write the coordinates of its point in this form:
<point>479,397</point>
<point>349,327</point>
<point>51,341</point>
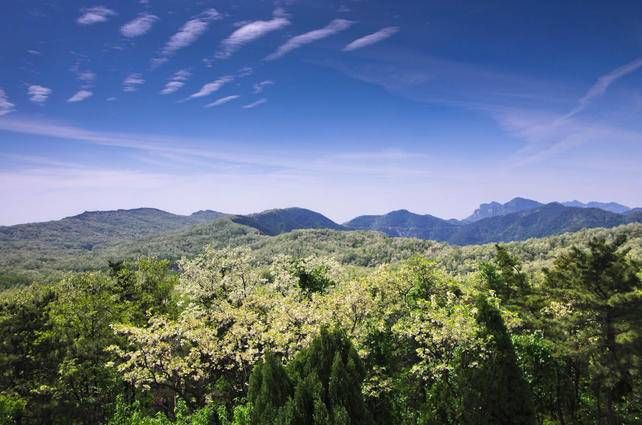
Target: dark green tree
<point>601,291</point>
<point>269,391</point>
<point>504,275</point>
<point>333,360</point>
<point>491,384</point>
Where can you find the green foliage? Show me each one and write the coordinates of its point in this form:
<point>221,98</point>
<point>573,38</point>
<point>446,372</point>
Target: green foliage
<point>323,386</point>
<point>595,304</point>
<point>492,387</point>
<point>275,331</point>
<point>269,390</point>
<point>12,409</point>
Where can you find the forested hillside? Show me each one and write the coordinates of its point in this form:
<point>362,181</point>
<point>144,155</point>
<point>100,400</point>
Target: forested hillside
<point>326,327</point>
<point>45,251</point>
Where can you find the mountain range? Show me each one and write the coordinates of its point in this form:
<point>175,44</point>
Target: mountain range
<point>517,219</point>
<point>83,242</point>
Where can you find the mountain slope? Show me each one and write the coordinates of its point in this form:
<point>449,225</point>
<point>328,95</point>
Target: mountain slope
<point>550,219</point>
<point>277,221</point>
<point>403,223</point>
<point>495,209</point>
<point>613,207</point>
<point>93,228</point>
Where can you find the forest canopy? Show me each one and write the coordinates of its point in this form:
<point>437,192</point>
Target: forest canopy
<point>493,335</point>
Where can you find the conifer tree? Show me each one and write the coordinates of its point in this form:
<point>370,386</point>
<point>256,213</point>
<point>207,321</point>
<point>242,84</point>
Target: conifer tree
<point>493,389</point>
<point>269,391</point>
<point>602,290</point>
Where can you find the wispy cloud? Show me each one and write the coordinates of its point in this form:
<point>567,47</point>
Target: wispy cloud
<point>80,96</point>
<point>259,87</point>
<point>132,82</point>
<point>86,77</point>
<point>222,101</point>
<point>603,83</point>
<point>176,82</point>
<point>246,71</point>
<point>191,31</point>
<point>5,106</point>
<point>139,25</point>
<point>250,32</point>
<point>371,39</point>
<point>39,94</point>
<point>95,15</point>
<point>334,27</point>
<point>212,87</point>
<point>546,137</point>
<point>255,104</point>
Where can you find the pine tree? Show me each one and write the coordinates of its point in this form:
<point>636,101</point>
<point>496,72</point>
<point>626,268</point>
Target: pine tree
<point>269,391</point>
<point>492,387</point>
<point>602,288</point>
<point>333,367</point>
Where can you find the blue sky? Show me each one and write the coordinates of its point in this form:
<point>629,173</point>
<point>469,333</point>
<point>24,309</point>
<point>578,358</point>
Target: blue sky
<point>346,107</point>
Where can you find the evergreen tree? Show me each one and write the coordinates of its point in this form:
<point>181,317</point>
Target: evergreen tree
<point>491,384</point>
<point>333,360</point>
<point>601,290</point>
<point>269,391</point>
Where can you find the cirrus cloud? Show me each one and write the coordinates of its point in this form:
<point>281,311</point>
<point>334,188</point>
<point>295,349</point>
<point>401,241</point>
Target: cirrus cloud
<point>176,82</point>
<point>95,15</point>
<point>5,106</point>
<point>139,25</point>
<point>259,87</point>
<point>38,94</point>
<point>373,38</point>
<point>79,96</point>
<point>334,27</point>
<point>250,32</point>
<point>212,87</point>
<point>132,82</point>
<point>255,104</point>
<point>191,31</point>
<point>222,101</point>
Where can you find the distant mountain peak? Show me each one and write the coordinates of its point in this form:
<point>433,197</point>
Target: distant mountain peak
<point>495,209</point>
<point>282,220</point>
<point>606,206</point>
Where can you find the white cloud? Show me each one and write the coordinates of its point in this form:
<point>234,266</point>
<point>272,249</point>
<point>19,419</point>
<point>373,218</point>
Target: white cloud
<point>86,77</point>
<point>255,104</point>
<point>245,72</point>
<point>139,25</point>
<point>176,82</point>
<point>603,83</point>
<point>172,87</point>
<point>80,96</point>
<point>371,39</point>
<point>548,138</point>
<point>188,34</point>
<point>210,88</point>
<point>259,87</point>
<point>39,94</point>
<point>131,83</point>
<point>248,33</point>
<point>301,40</point>
<point>94,15</point>
<point>222,101</point>
<point>5,106</point>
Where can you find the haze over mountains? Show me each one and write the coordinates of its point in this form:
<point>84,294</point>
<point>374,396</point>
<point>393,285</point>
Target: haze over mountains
<point>90,239</point>
<point>516,219</point>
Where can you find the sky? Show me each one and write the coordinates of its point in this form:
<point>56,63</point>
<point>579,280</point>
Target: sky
<point>346,107</point>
